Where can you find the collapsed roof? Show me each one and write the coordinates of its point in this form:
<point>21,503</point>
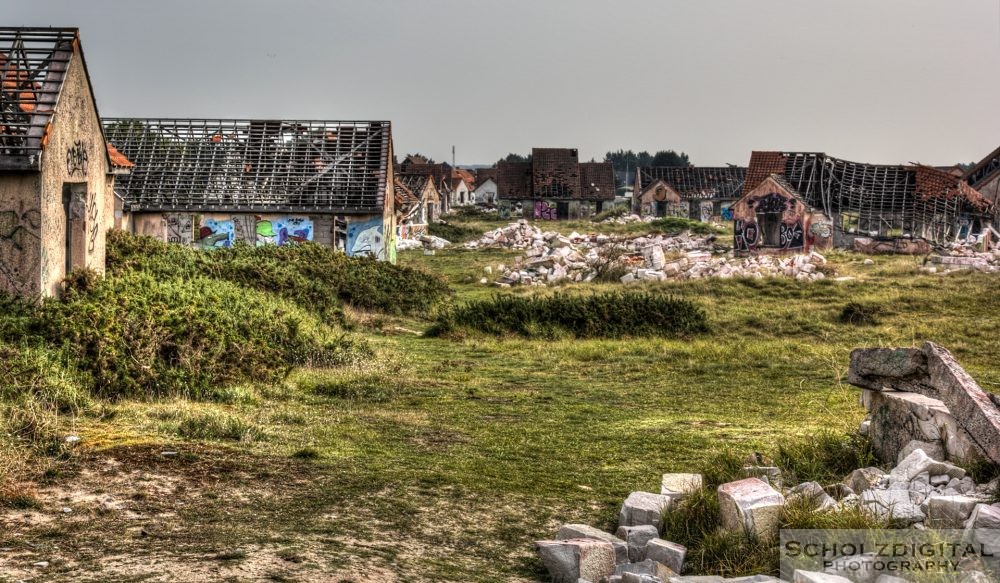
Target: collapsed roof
<point>33,65</point>
<point>881,200</point>
<point>694,182</point>
<point>253,165</point>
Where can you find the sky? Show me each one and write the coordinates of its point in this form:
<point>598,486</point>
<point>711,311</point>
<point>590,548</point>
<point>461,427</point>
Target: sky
<point>881,81</point>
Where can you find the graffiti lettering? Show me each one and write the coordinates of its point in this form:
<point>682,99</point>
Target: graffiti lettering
<point>92,228</point>
<point>769,203</point>
<point>76,159</point>
<point>790,236</point>
<point>545,212</point>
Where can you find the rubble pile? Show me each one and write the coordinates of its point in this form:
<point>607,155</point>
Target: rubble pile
<point>626,219</point>
<point>553,258</point>
<point>960,257</point>
<point>922,491</point>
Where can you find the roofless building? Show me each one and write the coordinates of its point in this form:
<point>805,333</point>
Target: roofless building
<point>216,182</point>
<point>56,177</point>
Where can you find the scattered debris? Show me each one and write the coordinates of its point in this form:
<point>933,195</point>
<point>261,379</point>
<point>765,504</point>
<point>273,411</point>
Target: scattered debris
<point>552,258</point>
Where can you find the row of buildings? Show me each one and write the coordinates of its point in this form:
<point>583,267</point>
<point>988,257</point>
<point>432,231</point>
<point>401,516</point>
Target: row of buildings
<point>67,176</point>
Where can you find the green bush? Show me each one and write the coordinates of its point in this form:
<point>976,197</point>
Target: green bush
<point>313,276</point>
<point>138,335</point>
<point>607,315</point>
<point>862,314</point>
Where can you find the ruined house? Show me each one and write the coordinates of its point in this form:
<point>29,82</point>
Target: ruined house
<point>214,182</point>
<point>56,177</point>
<point>462,185</point>
<point>486,186</point>
<point>773,217</point>
<point>698,193</point>
<point>985,176</point>
<point>439,172</point>
<point>554,185</point>
<point>417,204</point>
<point>871,207</point>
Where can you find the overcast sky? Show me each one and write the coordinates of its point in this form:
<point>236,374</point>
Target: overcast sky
<point>888,81</point>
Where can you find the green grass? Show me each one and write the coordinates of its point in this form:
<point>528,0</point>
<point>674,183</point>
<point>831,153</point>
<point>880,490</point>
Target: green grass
<point>464,451</point>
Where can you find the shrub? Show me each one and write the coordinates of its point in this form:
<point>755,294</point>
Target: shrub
<point>313,276</point>
<point>862,314</point>
<point>607,315</point>
<point>138,335</point>
<point>824,457</point>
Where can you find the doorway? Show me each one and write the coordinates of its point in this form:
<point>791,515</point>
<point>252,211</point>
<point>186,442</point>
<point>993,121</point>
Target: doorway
<point>74,200</point>
<point>770,229</point>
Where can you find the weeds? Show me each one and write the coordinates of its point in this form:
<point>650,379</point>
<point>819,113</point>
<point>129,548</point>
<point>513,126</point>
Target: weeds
<point>862,314</point>
<point>218,425</point>
<point>454,232</point>
<point>677,225</point>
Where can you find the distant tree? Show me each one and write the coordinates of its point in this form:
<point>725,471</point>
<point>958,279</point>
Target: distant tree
<point>670,158</point>
<point>512,157</point>
<point>418,156</point>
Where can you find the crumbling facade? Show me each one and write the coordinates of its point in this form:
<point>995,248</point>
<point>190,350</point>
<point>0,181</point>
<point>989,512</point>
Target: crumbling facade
<point>56,178</point>
<point>773,217</point>
<point>878,208</point>
<point>554,185</point>
<point>417,203</point>
<point>215,182</point>
<point>691,192</point>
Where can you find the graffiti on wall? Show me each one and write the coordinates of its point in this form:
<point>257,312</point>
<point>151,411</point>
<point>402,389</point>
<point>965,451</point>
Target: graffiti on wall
<point>178,228</point>
<point>747,235</point>
<point>790,236</point>
<point>19,238</point>
<point>283,230</point>
<point>76,159</point>
<point>216,233</point>
<point>92,226</point>
<point>366,238</point>
<point>507,209</point>
<point>727,212</point>
<point>705,211</point>
<point>545,211</point>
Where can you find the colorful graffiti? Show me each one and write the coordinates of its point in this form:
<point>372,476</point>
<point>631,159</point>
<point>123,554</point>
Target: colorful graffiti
<point>545,212</point>
<point>366,238</point>
<point>727,213</point>
<point>284,230</point>
<point>216,233</point>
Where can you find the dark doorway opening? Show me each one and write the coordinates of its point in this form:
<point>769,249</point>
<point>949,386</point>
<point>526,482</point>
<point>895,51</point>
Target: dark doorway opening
<point>770,229</point>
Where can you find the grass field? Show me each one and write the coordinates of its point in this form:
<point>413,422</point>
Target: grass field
<point>444,459</point>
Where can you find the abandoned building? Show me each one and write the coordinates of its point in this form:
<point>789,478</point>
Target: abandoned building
<point>867,207</point>
<point>554,185</point>
<point>462,185</point>
<point>417,204</point>
<point>486,187</point>
<point>985,176</point>
<point>56,176</point>
<point>439,172</point>
<point>687,191</point>
<point>213,182</point>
